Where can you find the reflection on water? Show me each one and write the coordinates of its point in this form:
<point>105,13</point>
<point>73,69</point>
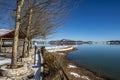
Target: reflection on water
<point>103,59</point>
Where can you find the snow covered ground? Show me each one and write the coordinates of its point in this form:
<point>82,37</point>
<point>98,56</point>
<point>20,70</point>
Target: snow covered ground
<point>36,67</point>
<point>4,61</point>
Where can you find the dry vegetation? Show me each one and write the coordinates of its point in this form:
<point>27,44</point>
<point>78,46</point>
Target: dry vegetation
<point>53,66</point>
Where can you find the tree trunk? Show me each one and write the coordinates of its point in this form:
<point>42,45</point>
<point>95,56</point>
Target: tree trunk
<point>30,44</point>
<point>16,34</point>
<point>28,30</point>
<point>24,48</point>
<point>28,47</point>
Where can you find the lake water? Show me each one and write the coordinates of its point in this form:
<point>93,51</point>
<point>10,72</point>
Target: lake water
<point>103,59</point>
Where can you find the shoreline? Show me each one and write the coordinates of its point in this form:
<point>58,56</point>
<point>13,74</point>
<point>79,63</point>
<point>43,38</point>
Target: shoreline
<point>85,68</point>
<point>73,71</point>
<point>97,74</point>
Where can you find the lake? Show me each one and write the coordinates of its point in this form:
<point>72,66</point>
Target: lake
<point>103,59</point>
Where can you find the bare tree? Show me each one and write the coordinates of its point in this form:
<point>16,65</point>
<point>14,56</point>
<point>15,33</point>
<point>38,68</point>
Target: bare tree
<point>29,17</point>
<point>16,34</point>
<point>27,20</point>
<point>41,18</point>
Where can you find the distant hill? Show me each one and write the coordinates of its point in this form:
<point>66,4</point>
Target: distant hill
<point>65,41</point>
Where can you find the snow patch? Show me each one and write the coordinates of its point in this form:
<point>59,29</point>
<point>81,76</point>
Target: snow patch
<point>79,76</point>
<point>75,74</point>
<point>71,66</point>
<point>5,61</point>
<point>59,48</point>
<point>34,69</point>
<point>85,77</point>
<point>35,56</point>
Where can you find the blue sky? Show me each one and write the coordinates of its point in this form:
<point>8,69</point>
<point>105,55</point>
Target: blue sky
<point>93,20</point>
